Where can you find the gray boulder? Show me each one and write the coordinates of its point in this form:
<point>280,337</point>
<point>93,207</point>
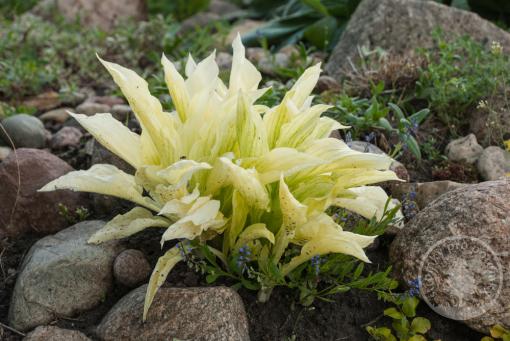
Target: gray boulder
<point>464,149</point>
<point>401,26</point>
<point>494,163</point>
<point>24,130</point>
<point>52,333</point>
<point>458,247</point>
<point>62,276</point>
<point>199,314</point>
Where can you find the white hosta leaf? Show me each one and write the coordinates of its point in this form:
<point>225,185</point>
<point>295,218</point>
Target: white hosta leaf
<point>204,214</point>
<point>164,265</point>
<point>251,133</point>
<point>240,210</point>
<point>247,182</point>
<point>283,160</point>
<point>203,76</point>
<point>178,207</point>
<point>254,232</point>
<point>355,177</point>
<point>148,110</point>
<point>340,242</point>
<point>103,179</point>
<point>294,214</point>
<point>300,129</point>
<point>180,172</point>
<point>123,143</point>
<point>125,225</point>
<point>243,75</point>
<point>369,201</point>
<point>305,84</point>
<point>177,88</point>
<point>339,155</point>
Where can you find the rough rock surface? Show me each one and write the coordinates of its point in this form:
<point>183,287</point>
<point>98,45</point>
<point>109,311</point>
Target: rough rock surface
<point>92,108</point>
<point>24,130</point>
<point>199,314</point>
<point>490,125</point>
<point>101,13</point>
<point>23,209</point>
<point>59,115</point>
<point>401,26</point>
<point>426,192</point>
<point>494,163</point>
<point>52,333</point>
<point>131,268</point>
<point>464,149</point>
<point>61,276</point>
<point>458,246</point>
<point>66,137</point>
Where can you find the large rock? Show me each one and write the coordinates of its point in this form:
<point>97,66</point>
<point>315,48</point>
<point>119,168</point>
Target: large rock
<point>62,276</point>
<point>458,247</point>
<point>494,163</point>
<point>101,13</point>
<point>401,26</point>
<point>24,130</point>
<point>24,209</point>
<point>52,333</point>
<point>199,314</point>
<point>465,149</point>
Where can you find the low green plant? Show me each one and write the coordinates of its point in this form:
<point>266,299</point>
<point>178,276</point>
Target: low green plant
<point>498,332</point>
<point>37,54</point>
<point>237,184</point>
<point>459,74</point>
<point>405,325</point>
<point>80,214</point>
<point>365,115</point>
<point>318,22</point>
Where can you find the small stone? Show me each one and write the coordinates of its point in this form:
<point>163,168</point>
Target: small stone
<point>269,64</point>
<point>92,108</point>
<point>494,163</point>
<point>23,209</point>
<point>222,7</point>
<point>4,152</point>
<point>131,268</point>
<point>73,98</point>
<point>465,149</point>
<point>206,314</point>
<point>62,275</point>
<point>24,130</point>
<point>224,60</point>
<point>45,101</point>
<point>201,19</point>
<point>52,333</point>
<point>108,100</point>
<point>121,111</point>
<point>458,247</point>
<point>243,27</point>
<point>59,115</point>
<point>256,54</point>
<point>66,137</point>
<point>327,83</point>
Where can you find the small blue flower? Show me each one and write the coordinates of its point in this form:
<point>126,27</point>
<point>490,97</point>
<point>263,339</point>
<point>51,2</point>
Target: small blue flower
<point>415,286</point>
<point>348,137</point>
<point>243,258</point>
<point>316,263</point>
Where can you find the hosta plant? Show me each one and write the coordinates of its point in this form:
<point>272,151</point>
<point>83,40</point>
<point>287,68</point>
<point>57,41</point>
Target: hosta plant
<point>223,172</point>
